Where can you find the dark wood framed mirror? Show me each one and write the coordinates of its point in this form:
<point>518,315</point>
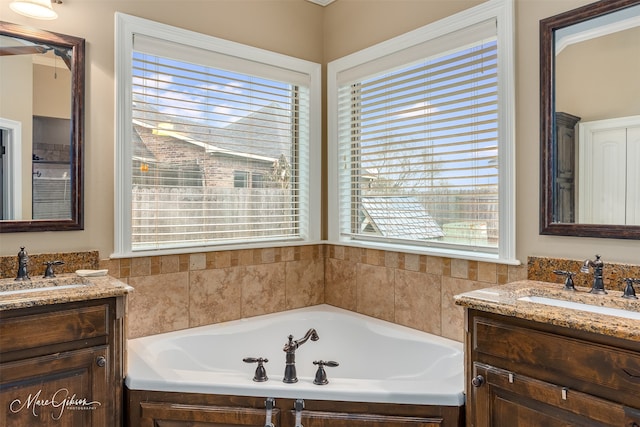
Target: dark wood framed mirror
<point>587,188</point>
<point>42,185</point>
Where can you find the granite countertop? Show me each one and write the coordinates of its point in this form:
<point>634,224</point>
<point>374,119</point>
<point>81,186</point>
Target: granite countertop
<point>60,289</point>
<point>504,300</point>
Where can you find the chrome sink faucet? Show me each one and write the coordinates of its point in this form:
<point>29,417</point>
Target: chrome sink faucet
<point>23,265</point>
<point>598,266</point>
<point>290,375</point>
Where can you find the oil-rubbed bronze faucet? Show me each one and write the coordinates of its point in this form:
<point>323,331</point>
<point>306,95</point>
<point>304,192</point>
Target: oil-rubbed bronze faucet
<point>23,262</point>
<point>48,272</point>
<point>598,266</point>
<point>629,292</point>
<point>290,375</point>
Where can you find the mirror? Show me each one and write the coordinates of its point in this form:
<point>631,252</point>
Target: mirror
<point>590,121</point>
<point>41,129</point>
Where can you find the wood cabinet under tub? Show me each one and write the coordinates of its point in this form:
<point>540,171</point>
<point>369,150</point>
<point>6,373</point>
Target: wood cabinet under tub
<point>61,364</point>
<point>171,409</point>
<point>525,373</point>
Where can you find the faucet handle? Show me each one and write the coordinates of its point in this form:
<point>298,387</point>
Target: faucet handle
<point>321,375</point>
<point>48,272</point>
<point>261,372</point>
<point>629,292</point>
<point>568,283</point>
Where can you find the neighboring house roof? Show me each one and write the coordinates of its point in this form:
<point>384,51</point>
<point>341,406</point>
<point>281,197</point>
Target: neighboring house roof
<point>181,136</point>
<point>270,125</point>
<point>400,217</point>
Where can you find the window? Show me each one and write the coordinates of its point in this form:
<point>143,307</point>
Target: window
<point>215,143</point>
<point>421,139</point>
<point>240,179</point>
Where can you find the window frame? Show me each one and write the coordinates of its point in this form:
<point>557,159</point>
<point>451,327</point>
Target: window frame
<point>127,27</point>
<point>503,12</point>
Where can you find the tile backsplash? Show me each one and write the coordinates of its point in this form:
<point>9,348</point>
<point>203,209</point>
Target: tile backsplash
<point>72,261</point>
<point>175,292</point>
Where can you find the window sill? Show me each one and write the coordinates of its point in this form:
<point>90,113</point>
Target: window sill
<point>436,252</point>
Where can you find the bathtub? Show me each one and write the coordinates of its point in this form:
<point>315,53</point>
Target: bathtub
<point>379,362</point>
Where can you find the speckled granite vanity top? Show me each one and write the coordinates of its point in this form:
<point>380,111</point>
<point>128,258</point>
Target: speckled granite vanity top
<point>60,289</point>
<point>505,300</point>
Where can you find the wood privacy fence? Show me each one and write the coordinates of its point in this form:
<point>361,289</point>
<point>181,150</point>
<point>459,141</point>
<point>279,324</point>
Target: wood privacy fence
<point>198,214</point>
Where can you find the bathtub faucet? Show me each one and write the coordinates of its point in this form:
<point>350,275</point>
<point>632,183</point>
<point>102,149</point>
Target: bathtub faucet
<point>290,375</point>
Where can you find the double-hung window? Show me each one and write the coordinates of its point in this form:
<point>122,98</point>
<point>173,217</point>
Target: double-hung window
<point>215,143</point>
<point>421,139</point>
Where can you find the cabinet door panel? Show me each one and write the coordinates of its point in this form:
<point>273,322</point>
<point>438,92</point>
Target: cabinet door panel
<point>339,419</point>
<point>61,390</point>
<point>42,329</point>
<point>593,368</point>
<point>512,399</point>
<point>162,414</point>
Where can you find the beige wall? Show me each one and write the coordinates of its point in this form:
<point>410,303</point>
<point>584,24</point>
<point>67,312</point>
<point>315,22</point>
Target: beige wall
<point>304,30</point>
<point>51,88</point>
<point>16,103</point>
<point>598,79</point>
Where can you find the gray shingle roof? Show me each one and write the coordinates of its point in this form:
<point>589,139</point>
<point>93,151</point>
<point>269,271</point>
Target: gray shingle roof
<point>400,217</point>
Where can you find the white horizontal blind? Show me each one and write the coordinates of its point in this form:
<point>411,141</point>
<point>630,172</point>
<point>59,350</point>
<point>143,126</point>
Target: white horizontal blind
<point>216,151</point>
<point>418,144</point>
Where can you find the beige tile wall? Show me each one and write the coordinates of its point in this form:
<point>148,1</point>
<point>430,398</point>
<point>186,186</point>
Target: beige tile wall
<point>408,289</point>
<point>182,291</point>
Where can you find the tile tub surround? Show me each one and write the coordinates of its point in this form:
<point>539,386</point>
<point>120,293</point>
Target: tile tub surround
<point>504,300</point>
<point>73,261</point>
<point>541,269</point>
<point>180,291</point>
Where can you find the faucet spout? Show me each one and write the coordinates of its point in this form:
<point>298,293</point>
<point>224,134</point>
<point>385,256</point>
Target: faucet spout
<point>290,375</point>
<point>294,345</point>
<point>23,263</point>
<point>598,267</point>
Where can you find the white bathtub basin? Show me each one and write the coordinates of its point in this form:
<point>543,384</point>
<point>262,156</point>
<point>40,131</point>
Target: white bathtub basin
<point>609,311</point>
<point>379,361</point>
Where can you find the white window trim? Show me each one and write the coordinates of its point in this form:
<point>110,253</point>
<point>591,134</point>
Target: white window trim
<point>12,179</point>
<point>126,27</point>
<point>503,12</point>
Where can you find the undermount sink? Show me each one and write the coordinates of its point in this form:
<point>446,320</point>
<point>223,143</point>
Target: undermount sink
<point>16,287</point>
<point>39,289</point>
<point>609,311</point>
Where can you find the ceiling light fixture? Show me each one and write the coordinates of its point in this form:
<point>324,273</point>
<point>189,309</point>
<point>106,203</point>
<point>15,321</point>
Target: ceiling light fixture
<point>39,9</point>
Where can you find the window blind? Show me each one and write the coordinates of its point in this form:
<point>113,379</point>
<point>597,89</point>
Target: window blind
<point>217,144</point>
<point>418,144</point>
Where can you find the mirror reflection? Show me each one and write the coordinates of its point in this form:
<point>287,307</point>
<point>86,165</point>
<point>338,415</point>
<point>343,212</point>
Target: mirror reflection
<point>40,129</point>
<point>590,121</point>
<point>597,69</point>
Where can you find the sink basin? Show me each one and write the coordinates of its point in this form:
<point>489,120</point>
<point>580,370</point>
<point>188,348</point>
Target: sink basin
<point>40,289</point>
<point>13,287</point>
<point>609,311</point>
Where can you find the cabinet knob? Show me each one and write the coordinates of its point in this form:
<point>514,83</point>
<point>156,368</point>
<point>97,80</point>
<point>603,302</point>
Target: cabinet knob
<point>477,381</point>
<point>101,361</point>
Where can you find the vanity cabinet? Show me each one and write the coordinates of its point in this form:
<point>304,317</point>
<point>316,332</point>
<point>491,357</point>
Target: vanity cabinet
<point>61,364</point>
<point>524,373</point>
<point>171,409</point>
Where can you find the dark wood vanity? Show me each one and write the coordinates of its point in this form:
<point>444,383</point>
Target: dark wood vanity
<point>522,373</point>
<point>61,356</point>
<point>154,408</point>
<point>529,364</point>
